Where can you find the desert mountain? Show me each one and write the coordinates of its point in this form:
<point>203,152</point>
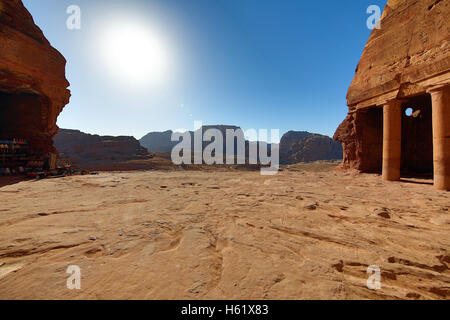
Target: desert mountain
<point>302,146</point>
<point>161,141</point>
<point>86,149</point>
<point>295,146</point>
<point>158,141</point>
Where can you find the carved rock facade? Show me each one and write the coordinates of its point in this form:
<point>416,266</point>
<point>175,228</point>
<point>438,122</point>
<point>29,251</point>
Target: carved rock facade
<point>405,67</point>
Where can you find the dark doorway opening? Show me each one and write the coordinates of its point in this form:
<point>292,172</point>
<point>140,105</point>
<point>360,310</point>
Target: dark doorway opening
<point>21,120</point>
<point>20,115</point>
<point>372,139</point>
<point>417,137</point>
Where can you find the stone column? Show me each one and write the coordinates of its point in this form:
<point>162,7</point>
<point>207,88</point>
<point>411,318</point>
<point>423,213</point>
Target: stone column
<point>392,140</point>
<point>441,137</point>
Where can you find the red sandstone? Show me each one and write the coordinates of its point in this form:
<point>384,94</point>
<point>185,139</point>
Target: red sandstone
<point>33,86</point>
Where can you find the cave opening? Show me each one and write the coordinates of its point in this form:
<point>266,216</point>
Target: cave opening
<point>417,137</point>
<point>20,115</point>
<point>20,127</point>
<point>372,139</point>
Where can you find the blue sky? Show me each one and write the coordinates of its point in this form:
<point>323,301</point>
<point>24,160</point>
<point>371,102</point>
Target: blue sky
<point>262,64</point>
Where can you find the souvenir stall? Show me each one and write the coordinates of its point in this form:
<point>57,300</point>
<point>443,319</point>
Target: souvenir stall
<point>14,156</point>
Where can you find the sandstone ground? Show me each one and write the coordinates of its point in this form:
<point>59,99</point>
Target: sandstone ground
<point>180,234</point>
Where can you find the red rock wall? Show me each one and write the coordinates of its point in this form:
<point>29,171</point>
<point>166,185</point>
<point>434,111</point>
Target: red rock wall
<point>361,135</point>
<point>33,86</point>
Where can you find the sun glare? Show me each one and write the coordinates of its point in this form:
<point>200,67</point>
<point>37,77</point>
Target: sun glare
<point>135,55</point>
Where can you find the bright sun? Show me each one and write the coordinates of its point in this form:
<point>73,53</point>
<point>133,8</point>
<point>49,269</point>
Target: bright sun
<point>135,55</point>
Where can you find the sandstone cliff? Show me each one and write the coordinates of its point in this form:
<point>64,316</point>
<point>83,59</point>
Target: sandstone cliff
<point>33,87</point>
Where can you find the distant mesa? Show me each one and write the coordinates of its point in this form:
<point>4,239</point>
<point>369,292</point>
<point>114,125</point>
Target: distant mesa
<point>302,146</point>
<point>158,141</point>
<point>161,141</point>
<point>33,86</point>
<point>89,151</point>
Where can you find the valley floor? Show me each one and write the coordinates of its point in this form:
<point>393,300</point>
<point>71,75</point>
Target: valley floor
<point>224,235</point>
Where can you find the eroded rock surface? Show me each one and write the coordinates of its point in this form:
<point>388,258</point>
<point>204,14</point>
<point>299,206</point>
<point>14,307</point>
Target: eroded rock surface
<point>33,86</point>
<point>412,45</point>
<point>224,235</point>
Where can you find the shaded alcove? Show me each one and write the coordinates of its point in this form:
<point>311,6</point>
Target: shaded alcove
<point>21,117</point>
<point>417,137</point>
<point>372,139</point>
<point>19,114</point>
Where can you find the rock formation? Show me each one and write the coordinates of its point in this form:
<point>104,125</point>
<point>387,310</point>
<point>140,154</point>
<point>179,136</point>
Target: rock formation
<point>158,141</point>
<point>405,65</point>
<point>161,141</point>
<point>86,150</point>
<point>33,87</point>
<point>302,146</point>
<point>295,146</point>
